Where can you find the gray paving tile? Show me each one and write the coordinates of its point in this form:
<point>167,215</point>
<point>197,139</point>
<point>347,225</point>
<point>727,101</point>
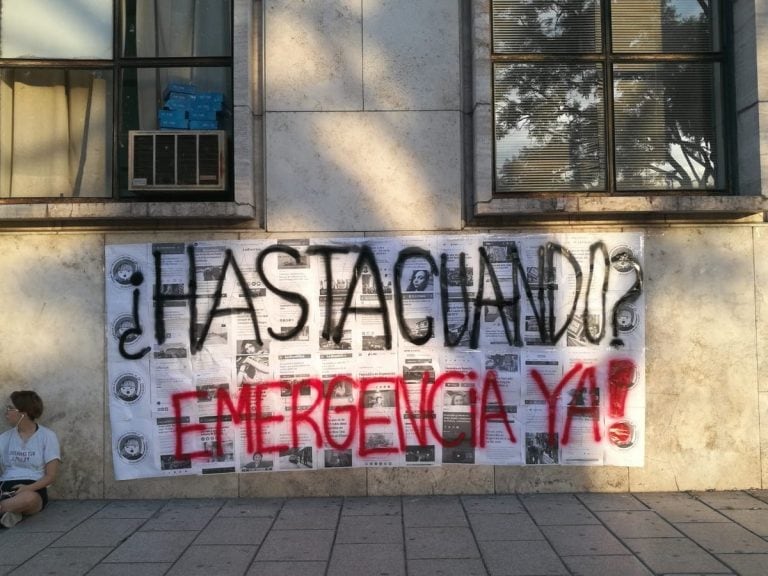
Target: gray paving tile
<point>452,567</point>
<point>604,502</point>
<point>440,542</point>
<point>504,527</point>
<point>554,509</point>
<point>586,540</point>
<point>518,535</point>
<point>374,506</point>
<point>724,538</point>
<point>731,500</point>
<point>296,545</point>
<point>746,564</point>
<point>367,560</point>
<point>287,569</point>
<point>369,529</point>
<point>674,555</point>
<point>144,569</point>
<point>313,503</point>
<point>17,547</point>
<point>60,516</point>
<point>152,546</point>
<point>638,524</point>
<point>680,507</point>
<point>236,531</point>
<point>303,518</point>
<point>594,565</point>
<point>251,508</point>
<point>183,515</point>
<point>522,559</point>
<point>99,532</point>
<point>500,504</point>
<point>759,494</point>
<point>219,560</point>
<point>63,561</point>
<point>754,520</point>
<point>433,511</point>
<point>130,509</point>
<point>309,513</point>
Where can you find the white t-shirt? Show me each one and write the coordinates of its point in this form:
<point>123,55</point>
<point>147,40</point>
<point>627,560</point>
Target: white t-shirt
<point>22,460</point>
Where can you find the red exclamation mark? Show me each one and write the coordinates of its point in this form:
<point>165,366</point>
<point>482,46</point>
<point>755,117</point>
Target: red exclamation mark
<point>621,377</point>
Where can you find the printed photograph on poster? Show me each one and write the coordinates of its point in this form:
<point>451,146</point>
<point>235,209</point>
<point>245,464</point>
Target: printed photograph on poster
<point>256,463</point>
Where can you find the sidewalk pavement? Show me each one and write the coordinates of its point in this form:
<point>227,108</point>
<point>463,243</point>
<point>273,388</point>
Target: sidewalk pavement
<point>525,534</point>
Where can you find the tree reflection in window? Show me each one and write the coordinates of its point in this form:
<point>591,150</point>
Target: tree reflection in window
<point>665,126</point>
<point>549,125</point>
<point>549,100</point>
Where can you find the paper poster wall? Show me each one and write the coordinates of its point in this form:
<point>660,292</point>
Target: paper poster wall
<point>299,354</point>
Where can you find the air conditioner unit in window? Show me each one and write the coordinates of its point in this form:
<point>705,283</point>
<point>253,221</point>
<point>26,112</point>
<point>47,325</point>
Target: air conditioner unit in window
<point>177,160</point>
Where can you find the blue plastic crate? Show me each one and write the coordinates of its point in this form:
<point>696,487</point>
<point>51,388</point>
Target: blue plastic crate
<point>204,115</point>
<point>212,97</point>
<point>203,125</point>
<point>179,88</point>
<point>174,125</point>
<point>171,115</point>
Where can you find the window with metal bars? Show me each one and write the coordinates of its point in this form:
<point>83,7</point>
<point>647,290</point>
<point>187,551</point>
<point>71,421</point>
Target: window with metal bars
<point>608,96</point>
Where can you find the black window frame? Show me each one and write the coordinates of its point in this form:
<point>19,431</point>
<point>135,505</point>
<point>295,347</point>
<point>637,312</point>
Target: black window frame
<point>116,65</point>
<point>607,58</point>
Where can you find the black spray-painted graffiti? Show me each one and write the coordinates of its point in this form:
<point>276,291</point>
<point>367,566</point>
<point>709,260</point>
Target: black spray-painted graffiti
<point>540,295</point>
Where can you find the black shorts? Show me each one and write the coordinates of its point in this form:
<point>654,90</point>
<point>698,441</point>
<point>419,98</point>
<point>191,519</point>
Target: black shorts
<point>8,485</point>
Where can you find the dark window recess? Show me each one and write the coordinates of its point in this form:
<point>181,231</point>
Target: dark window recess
<point>166,160</point>
<point>209,159</point>
<point>144,159</point>
<point>187,168</point>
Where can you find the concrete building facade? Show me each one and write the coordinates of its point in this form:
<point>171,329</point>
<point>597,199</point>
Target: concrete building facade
<point>372,118</point>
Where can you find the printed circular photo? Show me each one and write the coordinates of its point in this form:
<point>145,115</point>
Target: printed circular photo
<point>626,318</point>
<point>132,447</point>
<point>622,259</point>
<point>128,388</point>
<point>121,324</point>
<point>622,434</point>
<point>123,269</point>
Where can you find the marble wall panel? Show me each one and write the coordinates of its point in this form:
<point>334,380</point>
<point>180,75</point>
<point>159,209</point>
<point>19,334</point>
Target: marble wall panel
<point>761,304</point>
<point>764,437</point>
<point>702,420</point>
<point>315,483</point>
<point>313,55</point>
<point>448,479</point>
<point>52,341</point>
<point>363,171</point>
<point>411,58</point>
<point>512,479</point>
<point>706,423</point>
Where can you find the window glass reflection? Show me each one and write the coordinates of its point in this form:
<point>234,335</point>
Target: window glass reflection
<point>667,129</point>
<point>55,133</point>
<point>541,26</point>
<point>66,29</point>
<point>178,29</point>
<point>548,127</point>
<point>656,26</point>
